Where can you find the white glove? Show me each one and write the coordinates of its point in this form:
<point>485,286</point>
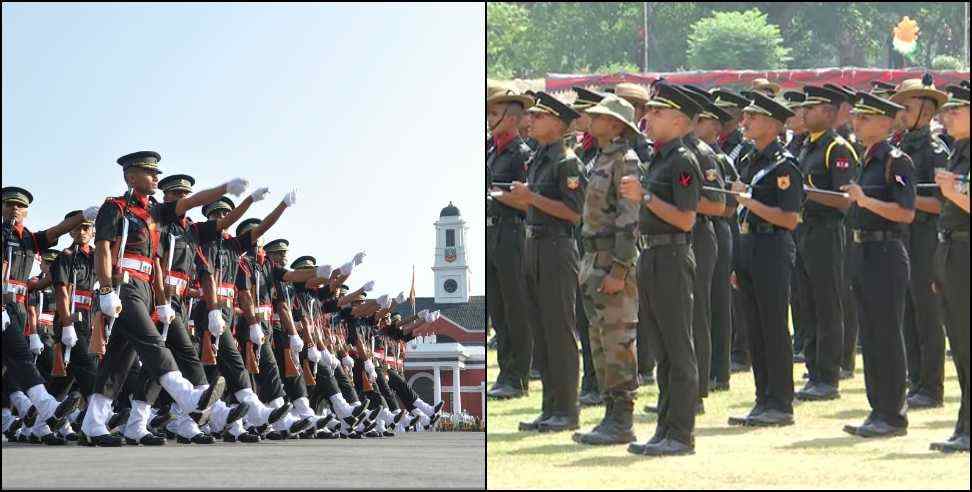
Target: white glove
<point>435,315</point>
<point>313,354</point>
<point>36,346</point>
<point>110,304</point>
<point>368,286</point>
<point>256,334</point>
<point>383,301</point>
<point>401,298</point>
<point>166,313</point>
<point>259,194</point>
<point>324,271</point>
<point>6,320</point>
<point>290,198</point>
<point>296,344</point>
<point>326,357</point>
<point>68,337</point>
<point>346,268</point>
<point>370,369</point>
<point>358,258</point>
<point>347,361</point>
<point>91,213</point>
<point>237,186</point>
<point>216,322</point>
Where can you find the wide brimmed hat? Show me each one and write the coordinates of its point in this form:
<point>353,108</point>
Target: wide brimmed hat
<point>920,88</point>
<point>617,108</point>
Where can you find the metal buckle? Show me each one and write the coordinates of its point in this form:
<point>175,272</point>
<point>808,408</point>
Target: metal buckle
<point>744,228</point>
<point>857,236</point>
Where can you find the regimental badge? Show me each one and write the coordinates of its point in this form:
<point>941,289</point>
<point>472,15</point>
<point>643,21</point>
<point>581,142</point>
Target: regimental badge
<point>573,182</point>
<point>684,179</point>
<point>450,255</point>
<point>711,175</point>
<point>895,153</point>
<point>842,163</point>
<point>783,182</point>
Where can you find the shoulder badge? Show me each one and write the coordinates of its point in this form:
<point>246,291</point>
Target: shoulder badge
<point>711,175</point>
<point>573,182</point>
<point>842,163</point>
<point>783,182</point>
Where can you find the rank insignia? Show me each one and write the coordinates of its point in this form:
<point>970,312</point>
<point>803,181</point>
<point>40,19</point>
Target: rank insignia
<point>684,179</point>
<point>842,163</point>
<point>573,182</point>
<point>711,175</point>
<point>783,182</point>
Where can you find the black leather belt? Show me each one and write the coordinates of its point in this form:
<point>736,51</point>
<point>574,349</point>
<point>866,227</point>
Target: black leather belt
<point>494,221</point>
<point>550,230</point>
<point>759,228</point>
<point>949,236</point>
<point>652,240</point>
<point>874,236</point>
<point>822,219</point>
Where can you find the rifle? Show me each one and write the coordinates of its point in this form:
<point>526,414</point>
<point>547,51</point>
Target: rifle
<point>168,268</point>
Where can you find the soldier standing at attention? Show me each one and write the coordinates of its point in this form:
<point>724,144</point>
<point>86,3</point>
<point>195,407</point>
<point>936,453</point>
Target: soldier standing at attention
<point>607,276</point>
<point>554,196</point>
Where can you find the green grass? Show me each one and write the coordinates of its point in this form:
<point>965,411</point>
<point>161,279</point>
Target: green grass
<point>814,453</point>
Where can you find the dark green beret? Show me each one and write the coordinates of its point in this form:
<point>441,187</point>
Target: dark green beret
<point>224,203</point>
<point>303,262</point>
<point>17,195</point>
<point>177,182</point>
<point>146,159</point>
<point>277,245</point>
<point>78,212</point>
<point>247,225</point>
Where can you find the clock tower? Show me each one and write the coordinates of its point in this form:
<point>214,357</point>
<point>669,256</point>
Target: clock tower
<point>450,268</point>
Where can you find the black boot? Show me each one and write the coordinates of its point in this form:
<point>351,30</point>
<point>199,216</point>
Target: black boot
<point>616,427</point>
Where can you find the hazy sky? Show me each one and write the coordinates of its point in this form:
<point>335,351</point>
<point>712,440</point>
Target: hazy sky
<point>366,109</point>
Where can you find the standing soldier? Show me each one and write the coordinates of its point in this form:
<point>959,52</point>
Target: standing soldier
<point>554,197</point>
<point>607,274</point>
<point>885,203</point>
<point>827,162</point>
<point>670,191</point>
<point>735,146</point>
<point>765,260</point>
<point>506,158</point>
<point>953,253</point>
<point>924,336</point>
<point>587,152</point>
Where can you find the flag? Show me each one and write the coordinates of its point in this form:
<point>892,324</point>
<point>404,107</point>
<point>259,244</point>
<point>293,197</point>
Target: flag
<point>411,293</point>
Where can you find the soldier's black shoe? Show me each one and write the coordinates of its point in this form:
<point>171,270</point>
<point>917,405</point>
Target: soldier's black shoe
<point>353,435</point>
<point>651,409</point>
<point>169,434</point>
<point>438,407</point>
<point>238,412</point>
<point>356,414</point>
<point>744,420</point>
<point>535,375</point>
<point>11,431</point>
<point>204,407</point>
<point>413,422</point>
<point>326,434</point>
<point>118,419</point>
<point>816,391</point>
<point>770,418</point>
<point>846,374</point>
<point>590,399</point>
<point>277,435</point>
<point>737,367</point>
<point>71,437</point>
<point>718,386</point>
<point>67,406</point>
<point>398,417</point>
<point>646,379</point>
<point>372,434</point>
<point>104,440</point>
<point>921,401</point>
<point>200,438</point>
<point>957,444</point>
<point>373,415</point>
<point>558,423</point>
<point>23,438</point>
<point>667,447</point>
<point>799,358</point>
<point>278,413</point>
<point>31,417</point>
<point>876,428</point>
<point>661,433</point>
<point>246,437</point>
<point>506,392</point>
<point>433,419</point>
<point>52,439</point>
<point>614,429</point>
<point>534,424</point>
<point>146,440</point>
<point>34,439</point>
<point>301,425</point>
<point>160,419</point>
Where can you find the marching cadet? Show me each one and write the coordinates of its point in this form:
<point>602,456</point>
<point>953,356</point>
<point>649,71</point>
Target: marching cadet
<point>735,145</point>
<point>765,258</point>
<point>924,336</point>
<point>884,197</point>
<point>587,151</point>
<point>554,196</point>
<point>19,246</point>
<point>133,220</point>
<point>711,204</point>
<point>952,257</point>
<point>670,192</point>
<point>827,162</point>
<point>707,129</point>
<point>607,276</point>
<point>506,158</point>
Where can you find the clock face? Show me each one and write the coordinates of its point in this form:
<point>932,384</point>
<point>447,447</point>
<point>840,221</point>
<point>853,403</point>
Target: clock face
<point>450,286</point>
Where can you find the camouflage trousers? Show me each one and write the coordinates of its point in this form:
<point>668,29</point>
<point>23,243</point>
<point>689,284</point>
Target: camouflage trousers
<point>613,327</point>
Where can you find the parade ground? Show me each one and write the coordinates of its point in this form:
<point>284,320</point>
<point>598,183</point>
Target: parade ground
<point>813,454</point>
<point>420,460</point>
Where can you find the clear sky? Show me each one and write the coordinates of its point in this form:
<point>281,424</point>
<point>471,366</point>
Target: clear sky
<point>366,109</point>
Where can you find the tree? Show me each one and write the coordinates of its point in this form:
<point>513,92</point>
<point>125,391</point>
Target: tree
<point>736,40</point>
